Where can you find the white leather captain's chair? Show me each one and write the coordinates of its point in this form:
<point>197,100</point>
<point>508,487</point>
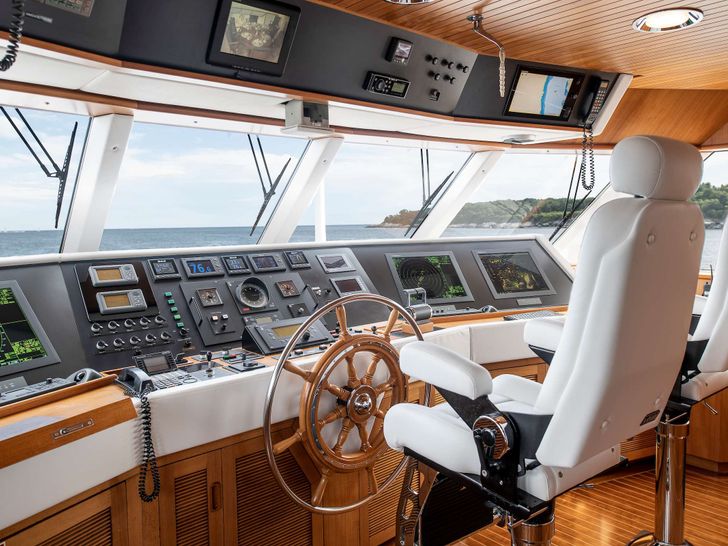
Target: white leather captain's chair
<point>618,359</point>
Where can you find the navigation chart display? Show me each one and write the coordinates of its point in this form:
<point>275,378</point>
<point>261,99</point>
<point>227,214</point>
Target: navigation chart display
<point>513,274</point>
<point>542,94</point>
<point>22,340</point>
<point>438,273</point>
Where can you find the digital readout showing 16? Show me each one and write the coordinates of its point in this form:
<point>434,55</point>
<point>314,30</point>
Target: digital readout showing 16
<point>201,267</point>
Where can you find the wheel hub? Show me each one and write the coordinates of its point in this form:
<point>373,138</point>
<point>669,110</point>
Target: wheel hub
<point>362,404</point>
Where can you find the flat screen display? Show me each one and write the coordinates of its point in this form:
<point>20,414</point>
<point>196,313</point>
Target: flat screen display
<point>200,266</point>
<point>22,340</point>
<point>348,286</point>
<point>514,273</point>
<point>296,258</point>
<point>109,273</point>
<point>334,263</point>
<point>439,275</point>
<point>265,262</point>
<point>114,301</point>
<point>157,364</point>
<point>285,331</point>
<point>235,264</point>
<point>542,94</point>
<point>164,267</point>
<point>254,35</point>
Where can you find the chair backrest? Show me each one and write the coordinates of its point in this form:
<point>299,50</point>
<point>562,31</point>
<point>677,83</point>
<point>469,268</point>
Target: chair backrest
<point>713,323</point>
<point>630,307</point>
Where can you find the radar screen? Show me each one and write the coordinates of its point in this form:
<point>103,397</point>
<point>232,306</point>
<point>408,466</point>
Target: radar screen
<point>438,274</point>
<point>22,340</point>
<point>513,273</point>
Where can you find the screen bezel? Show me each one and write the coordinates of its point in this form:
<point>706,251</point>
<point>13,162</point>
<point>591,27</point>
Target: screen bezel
<point>342,269</point>
<point>51,356</point>
<point>510,295</point>
<point>356,278</point>
<point>571,98</point>
<point>246,266</point>
<point>400,288</point>
<point>216,56</point>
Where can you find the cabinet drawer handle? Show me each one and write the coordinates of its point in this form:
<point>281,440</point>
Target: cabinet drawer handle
<point>216,495</point>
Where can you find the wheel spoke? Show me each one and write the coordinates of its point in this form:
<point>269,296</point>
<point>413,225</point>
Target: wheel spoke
<point>291,367</point>
<point>393,316</point>
<point>338,413</point>
<point>363,437</point>
<point>343,435</point>
<point>318,494</point>
<point>341,394</point>
<point>353,381</point>
<point>373,487</point>
<point>341,318</point>
<point>379,415</point>
<point>384,387</point>
<point>283,445</point>
<point>371,369</point>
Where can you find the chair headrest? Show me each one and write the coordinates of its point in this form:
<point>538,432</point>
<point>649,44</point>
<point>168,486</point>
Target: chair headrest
<point>656,168</point>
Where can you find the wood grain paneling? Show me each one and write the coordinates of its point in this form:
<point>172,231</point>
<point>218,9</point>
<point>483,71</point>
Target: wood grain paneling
<point>615,510</point>
<point>583,33</point>
<point>719,139</point>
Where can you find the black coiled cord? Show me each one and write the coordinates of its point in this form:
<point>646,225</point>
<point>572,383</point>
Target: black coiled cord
<point>149,459</point>
<point>17,18</point>
<point>587,154</point>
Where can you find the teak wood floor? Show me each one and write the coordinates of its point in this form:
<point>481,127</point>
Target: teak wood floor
<point>614,510</point>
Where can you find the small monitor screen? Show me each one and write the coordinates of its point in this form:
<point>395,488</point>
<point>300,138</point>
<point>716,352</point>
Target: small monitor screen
<point>109,274</point>
<point>114,301</point>
<point>156,364</point>
<point>164,267</point>
<point>285,331</point>
<point>200,266</point>
<point>235,263</point>
<point>348,286</point>
<point>265,262</point>
<point>296,257</point>
<point>399,87</point>
<point>438,274</point>
<point>18,341</point>
<point>254,32</point>
<point>540,94</point>
<point>514,273</point>
<point>333,263</point>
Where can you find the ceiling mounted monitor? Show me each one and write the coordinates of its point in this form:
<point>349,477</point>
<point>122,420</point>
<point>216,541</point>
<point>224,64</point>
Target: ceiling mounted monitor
<point>543,94</point>
<point>253,35</point>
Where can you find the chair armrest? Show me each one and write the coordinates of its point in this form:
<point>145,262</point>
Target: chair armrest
<point>544,333</point>
<point>699,305</point>
<point>445,369</point>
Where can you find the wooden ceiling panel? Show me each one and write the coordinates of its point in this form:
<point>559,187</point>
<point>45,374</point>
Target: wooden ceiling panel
<point>594,34</point>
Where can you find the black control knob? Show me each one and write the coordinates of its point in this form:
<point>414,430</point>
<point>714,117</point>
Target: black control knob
<point>374,329</point>
<point>306,336</point>
<point>150,338</point>
<point>128,323</point>
<point>298,352</point>
<point>135,340</point>
<point>463,68</point>
<point>113,325</point>
<point>101,345</point>
<point>96,328</point>
<point>448,64</point>
<point>432,59</point>
<point>450,79</point>
<point>435,75</point>
<point>184,332</point>
<point>159,319</point>
<point>434,95</point>
<point>144,321</point>
<point>118,343</point>
<point>164,336</point>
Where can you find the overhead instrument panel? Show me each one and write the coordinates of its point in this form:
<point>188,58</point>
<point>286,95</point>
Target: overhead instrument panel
<point>24,344</point>
<point>438,273</point>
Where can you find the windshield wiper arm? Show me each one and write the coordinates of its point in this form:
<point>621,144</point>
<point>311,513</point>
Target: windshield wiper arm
<point>268,195</point>
<point>61,173</point>
<point>425,210</point>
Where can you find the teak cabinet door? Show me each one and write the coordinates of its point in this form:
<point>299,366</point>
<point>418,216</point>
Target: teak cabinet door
<point>191,502</point>
<point>98,521</point>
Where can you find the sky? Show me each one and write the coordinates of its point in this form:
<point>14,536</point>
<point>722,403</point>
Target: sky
<point>189,177</point>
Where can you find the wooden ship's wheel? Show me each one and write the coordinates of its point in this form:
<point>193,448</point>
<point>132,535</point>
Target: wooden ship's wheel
<point>343,401</point>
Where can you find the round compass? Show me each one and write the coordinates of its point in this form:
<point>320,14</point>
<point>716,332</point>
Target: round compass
<point>252,295</point>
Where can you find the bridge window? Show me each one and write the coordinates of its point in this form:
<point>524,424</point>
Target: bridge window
<point>30,196</point>
<point>184,187</point>
<point>376,191</point>
<point>712,196</point>
<point>526,193</point>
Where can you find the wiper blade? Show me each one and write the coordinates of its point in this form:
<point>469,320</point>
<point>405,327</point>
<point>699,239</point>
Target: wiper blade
<point>425,210</point>
<point>63,174</point>
<point>267,196</point>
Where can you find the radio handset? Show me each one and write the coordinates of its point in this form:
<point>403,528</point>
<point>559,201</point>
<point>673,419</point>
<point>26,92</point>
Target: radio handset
<point>594,102</point>
<point>137,383</point>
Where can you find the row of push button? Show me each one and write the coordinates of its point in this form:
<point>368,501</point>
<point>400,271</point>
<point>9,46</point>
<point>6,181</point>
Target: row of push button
<point>175,310</point>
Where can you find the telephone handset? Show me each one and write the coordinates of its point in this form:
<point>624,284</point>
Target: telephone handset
<point>136,380</point>
<point>137,383</point>
<point>593,102</point>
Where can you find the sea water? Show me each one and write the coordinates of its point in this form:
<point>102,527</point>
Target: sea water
<point>20,243</point>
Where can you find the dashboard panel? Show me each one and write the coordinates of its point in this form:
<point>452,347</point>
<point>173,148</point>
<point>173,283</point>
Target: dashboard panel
<point>101,312</point>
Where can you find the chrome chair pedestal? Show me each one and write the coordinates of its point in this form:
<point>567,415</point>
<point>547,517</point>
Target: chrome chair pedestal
<point>536,532</point>
<point>672,435</point>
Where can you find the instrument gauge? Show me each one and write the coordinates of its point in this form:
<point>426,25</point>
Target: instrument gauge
<point>252,295</point>
<point>288,289</point>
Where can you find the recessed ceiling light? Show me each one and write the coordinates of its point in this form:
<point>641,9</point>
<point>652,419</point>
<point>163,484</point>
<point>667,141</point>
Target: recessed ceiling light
<point>667,20</point>
<point>408,2</point>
